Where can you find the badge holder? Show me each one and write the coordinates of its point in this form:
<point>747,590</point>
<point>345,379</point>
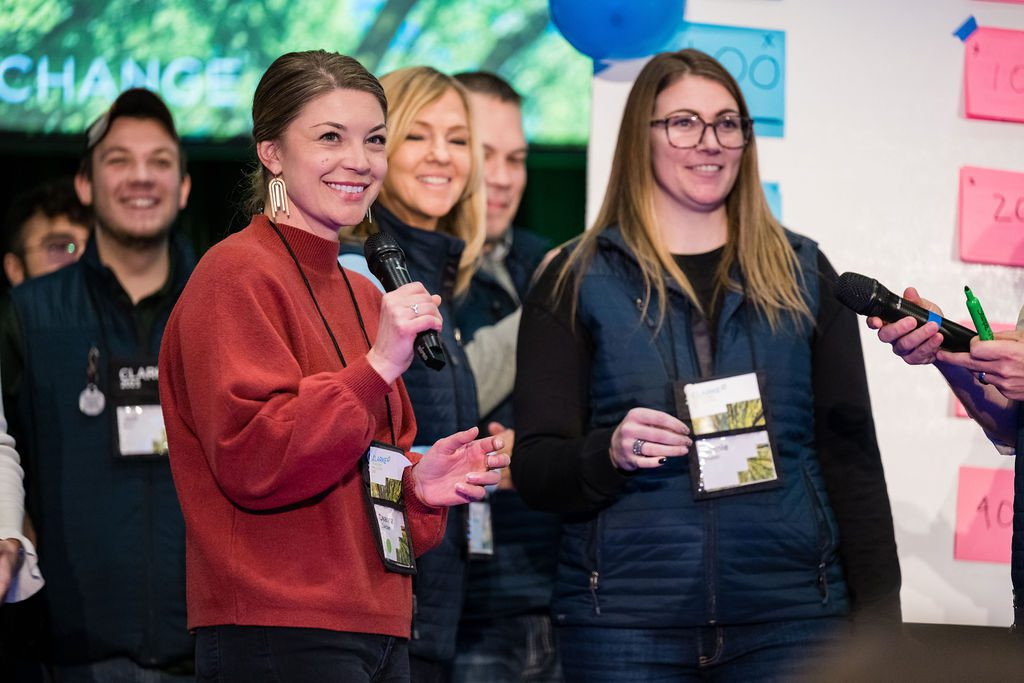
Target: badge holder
<point>733,451</point>
<point>138,419</point>
<point>383,466</point>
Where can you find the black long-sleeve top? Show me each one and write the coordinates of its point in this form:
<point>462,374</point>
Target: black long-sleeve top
<point>559,466</point>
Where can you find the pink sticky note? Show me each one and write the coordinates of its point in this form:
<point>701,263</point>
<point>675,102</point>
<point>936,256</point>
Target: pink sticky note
<point>984,515</point>
<point>958,407</point>
<point>994,74</point>
<point>991,216</point>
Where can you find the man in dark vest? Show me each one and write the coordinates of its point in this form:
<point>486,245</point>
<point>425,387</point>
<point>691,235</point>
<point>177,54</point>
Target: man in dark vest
<point>78,348</point>
<point>505,633</point>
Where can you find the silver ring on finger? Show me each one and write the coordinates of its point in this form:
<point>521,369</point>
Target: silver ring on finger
<point>415,309</point>
<point>638,447</point>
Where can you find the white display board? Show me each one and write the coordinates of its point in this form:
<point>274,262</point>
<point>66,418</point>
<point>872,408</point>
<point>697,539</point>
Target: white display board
<point>869,165</point>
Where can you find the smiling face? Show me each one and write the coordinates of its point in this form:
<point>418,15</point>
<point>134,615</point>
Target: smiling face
<point>500,126</point>
<point>429,169</point>
<point>332,160</point>
<point>136,187</point>
<point>697,179</point>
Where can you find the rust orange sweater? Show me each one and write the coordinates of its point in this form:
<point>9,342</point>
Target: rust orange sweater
<point>266,430</point>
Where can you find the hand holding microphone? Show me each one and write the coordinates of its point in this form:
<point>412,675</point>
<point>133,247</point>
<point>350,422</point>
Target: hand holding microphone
<point>866,296</point>
<point>409,318</point>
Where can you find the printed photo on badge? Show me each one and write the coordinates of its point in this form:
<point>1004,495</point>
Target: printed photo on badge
<point>735,461</point>
<point>394,536</point>
<point>725,405</point>
<point>386,466</point>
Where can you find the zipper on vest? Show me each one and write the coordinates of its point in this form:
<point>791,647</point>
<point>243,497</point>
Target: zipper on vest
<point>594,578</point>
<point>822,583</point>
<point>710,566</point>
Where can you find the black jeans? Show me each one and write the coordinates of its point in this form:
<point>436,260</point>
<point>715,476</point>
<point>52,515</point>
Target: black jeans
<point>278,654</point>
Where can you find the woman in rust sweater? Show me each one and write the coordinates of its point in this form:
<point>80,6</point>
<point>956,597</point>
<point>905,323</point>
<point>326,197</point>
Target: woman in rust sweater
<point>287,420</point>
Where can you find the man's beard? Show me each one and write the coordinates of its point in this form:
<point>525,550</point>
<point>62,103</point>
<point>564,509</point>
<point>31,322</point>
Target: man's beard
<point>134,242</point>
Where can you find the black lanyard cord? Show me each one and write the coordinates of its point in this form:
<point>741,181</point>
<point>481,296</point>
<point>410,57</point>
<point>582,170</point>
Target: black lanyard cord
<point>323,319</point>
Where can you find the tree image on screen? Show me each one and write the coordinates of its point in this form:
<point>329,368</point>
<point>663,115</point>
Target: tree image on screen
<point>63,62</point>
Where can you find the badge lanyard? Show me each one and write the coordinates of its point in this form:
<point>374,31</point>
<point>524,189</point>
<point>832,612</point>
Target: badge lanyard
<point>385,507</point>
<point>132,391</point>
<point>92,401</point>
<point>323,319</point>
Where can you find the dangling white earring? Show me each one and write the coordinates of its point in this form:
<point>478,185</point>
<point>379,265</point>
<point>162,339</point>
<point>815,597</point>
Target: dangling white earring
<point>369,215</point>
<point>278,197</point>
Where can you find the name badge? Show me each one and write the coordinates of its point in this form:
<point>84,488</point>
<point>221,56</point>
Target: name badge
<point>140,430</point>
<point>479,532</point>
<point>733,449</point>
<point>383,467</point>
<point>134,388</point>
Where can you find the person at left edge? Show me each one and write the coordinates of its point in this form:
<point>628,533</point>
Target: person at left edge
<point>79,356</point>
<point>281,381</point>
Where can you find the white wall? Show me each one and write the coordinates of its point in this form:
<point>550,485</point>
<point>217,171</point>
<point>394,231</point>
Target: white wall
<point>875,137</point>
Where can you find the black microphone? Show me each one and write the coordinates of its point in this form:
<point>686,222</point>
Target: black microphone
<point>867,297</point>
<point>387,263</point>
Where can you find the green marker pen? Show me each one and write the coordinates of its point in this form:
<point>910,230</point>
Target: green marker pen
<point>978,315</point>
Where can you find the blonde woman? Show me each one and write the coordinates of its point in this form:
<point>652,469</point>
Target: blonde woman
<point>432,203</point>
<point>678,567</point>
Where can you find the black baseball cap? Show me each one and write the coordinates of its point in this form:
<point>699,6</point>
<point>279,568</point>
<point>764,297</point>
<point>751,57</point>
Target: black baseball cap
<point>138,103</point>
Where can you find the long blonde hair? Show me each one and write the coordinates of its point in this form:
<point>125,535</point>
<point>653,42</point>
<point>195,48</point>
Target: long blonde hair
<point>409,90</point>
<point>755,239</point>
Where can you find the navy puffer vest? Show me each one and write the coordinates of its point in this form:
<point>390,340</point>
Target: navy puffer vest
<point>444,402</point>
<point>656,558</point>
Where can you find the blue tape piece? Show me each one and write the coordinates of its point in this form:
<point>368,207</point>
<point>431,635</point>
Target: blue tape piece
<point>966,29</point>
<point>774,196</point>
<point>934,317</point>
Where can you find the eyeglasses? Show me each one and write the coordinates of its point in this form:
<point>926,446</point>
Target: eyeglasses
<point>57,250</point>
<point>685,131</point>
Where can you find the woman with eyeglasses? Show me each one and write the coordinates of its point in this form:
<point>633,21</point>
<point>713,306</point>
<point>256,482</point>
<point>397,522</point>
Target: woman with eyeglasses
<point>706,429</point>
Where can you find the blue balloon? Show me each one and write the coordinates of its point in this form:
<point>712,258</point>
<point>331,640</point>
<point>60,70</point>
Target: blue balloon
<point>617,29</point>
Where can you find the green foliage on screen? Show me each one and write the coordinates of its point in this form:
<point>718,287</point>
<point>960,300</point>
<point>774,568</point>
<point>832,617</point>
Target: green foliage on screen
<point>63,62</point>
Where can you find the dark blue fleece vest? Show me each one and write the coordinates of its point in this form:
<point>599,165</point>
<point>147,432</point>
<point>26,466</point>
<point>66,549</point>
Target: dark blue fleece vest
<point>111,534</point>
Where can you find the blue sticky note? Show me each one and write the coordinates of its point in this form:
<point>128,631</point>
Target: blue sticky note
<point>757,60</point>
<point>774,196</point>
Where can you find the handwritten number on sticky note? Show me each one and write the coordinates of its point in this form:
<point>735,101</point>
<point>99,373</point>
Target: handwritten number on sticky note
<point>1003,513</point>
<point>1002,213</point>
<point>1015,81</point>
